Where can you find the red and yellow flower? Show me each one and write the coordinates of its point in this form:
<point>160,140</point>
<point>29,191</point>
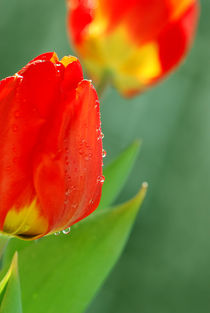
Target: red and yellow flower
<point>133,43</point>
<point>51,148</point>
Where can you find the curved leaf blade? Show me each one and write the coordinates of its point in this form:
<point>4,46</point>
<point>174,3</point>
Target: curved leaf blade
<point>10,290</point>
<point>116,174</point>
<point>62,274</point>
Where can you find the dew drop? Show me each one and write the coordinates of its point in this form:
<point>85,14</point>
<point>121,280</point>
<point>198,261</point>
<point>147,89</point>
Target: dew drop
<point>102,136</point>
<point>97,104</point>
<point>101,179</point>
<point>59,67</point>
<point>104,153</point>
<point>66,231</point>
<point>57,233</point>
<point>67,193</point>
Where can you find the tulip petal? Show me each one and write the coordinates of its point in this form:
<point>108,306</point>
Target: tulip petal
<point>71,172</point>
<point>137,42</point>
<point>51,152</point>
<point>85,149</point>
<point>20,128</point>
<point>176,38</point>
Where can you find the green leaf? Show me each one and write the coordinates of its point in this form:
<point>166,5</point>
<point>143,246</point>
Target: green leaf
<point>117,173</point>
<point>62,273</point>
<point>10,295</point>
<point>3,244</point>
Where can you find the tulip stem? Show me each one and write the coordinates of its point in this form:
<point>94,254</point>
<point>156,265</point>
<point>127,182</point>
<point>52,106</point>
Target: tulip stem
<point>103,83</point>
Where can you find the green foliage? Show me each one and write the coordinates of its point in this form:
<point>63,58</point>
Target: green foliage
<point>10,294</point>
<point>62,273</point>
<point>116,174</point>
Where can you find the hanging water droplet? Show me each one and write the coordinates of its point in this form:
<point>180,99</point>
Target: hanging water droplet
<point>97,104</point>
<point>101,179</point>
<point>102,135</point>
<point>66,231</point>
<point>57,233</point>
<point>104,153</point>
<point>17,75</point>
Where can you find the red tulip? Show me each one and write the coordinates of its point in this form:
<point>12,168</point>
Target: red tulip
<point>51,148</point>
<point>134,43</point>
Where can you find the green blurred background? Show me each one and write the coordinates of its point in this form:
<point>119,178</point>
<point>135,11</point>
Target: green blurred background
<point>166,264</point>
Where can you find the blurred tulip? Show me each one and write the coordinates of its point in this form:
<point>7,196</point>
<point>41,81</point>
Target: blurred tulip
<point>132,44</point>
<point>51,148</point>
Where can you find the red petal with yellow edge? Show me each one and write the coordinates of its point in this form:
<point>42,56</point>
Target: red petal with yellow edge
<point>174,43</point>
<point>152,36</point>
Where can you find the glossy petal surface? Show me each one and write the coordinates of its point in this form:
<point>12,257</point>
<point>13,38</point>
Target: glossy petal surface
<point>50,125</point>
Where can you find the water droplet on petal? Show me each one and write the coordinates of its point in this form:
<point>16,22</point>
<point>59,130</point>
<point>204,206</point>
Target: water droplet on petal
<point>67,193</point>
<point>104,153</point>
<point>97,104</point>
<point>101,179</point>
<point>66,231</point>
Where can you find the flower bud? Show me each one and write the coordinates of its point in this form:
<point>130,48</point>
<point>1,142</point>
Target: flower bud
<point>51,148</point>
<point>131,44</point>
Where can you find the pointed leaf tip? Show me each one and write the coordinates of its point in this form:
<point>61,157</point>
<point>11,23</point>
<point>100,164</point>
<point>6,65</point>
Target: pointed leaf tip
<point>131,207</point>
